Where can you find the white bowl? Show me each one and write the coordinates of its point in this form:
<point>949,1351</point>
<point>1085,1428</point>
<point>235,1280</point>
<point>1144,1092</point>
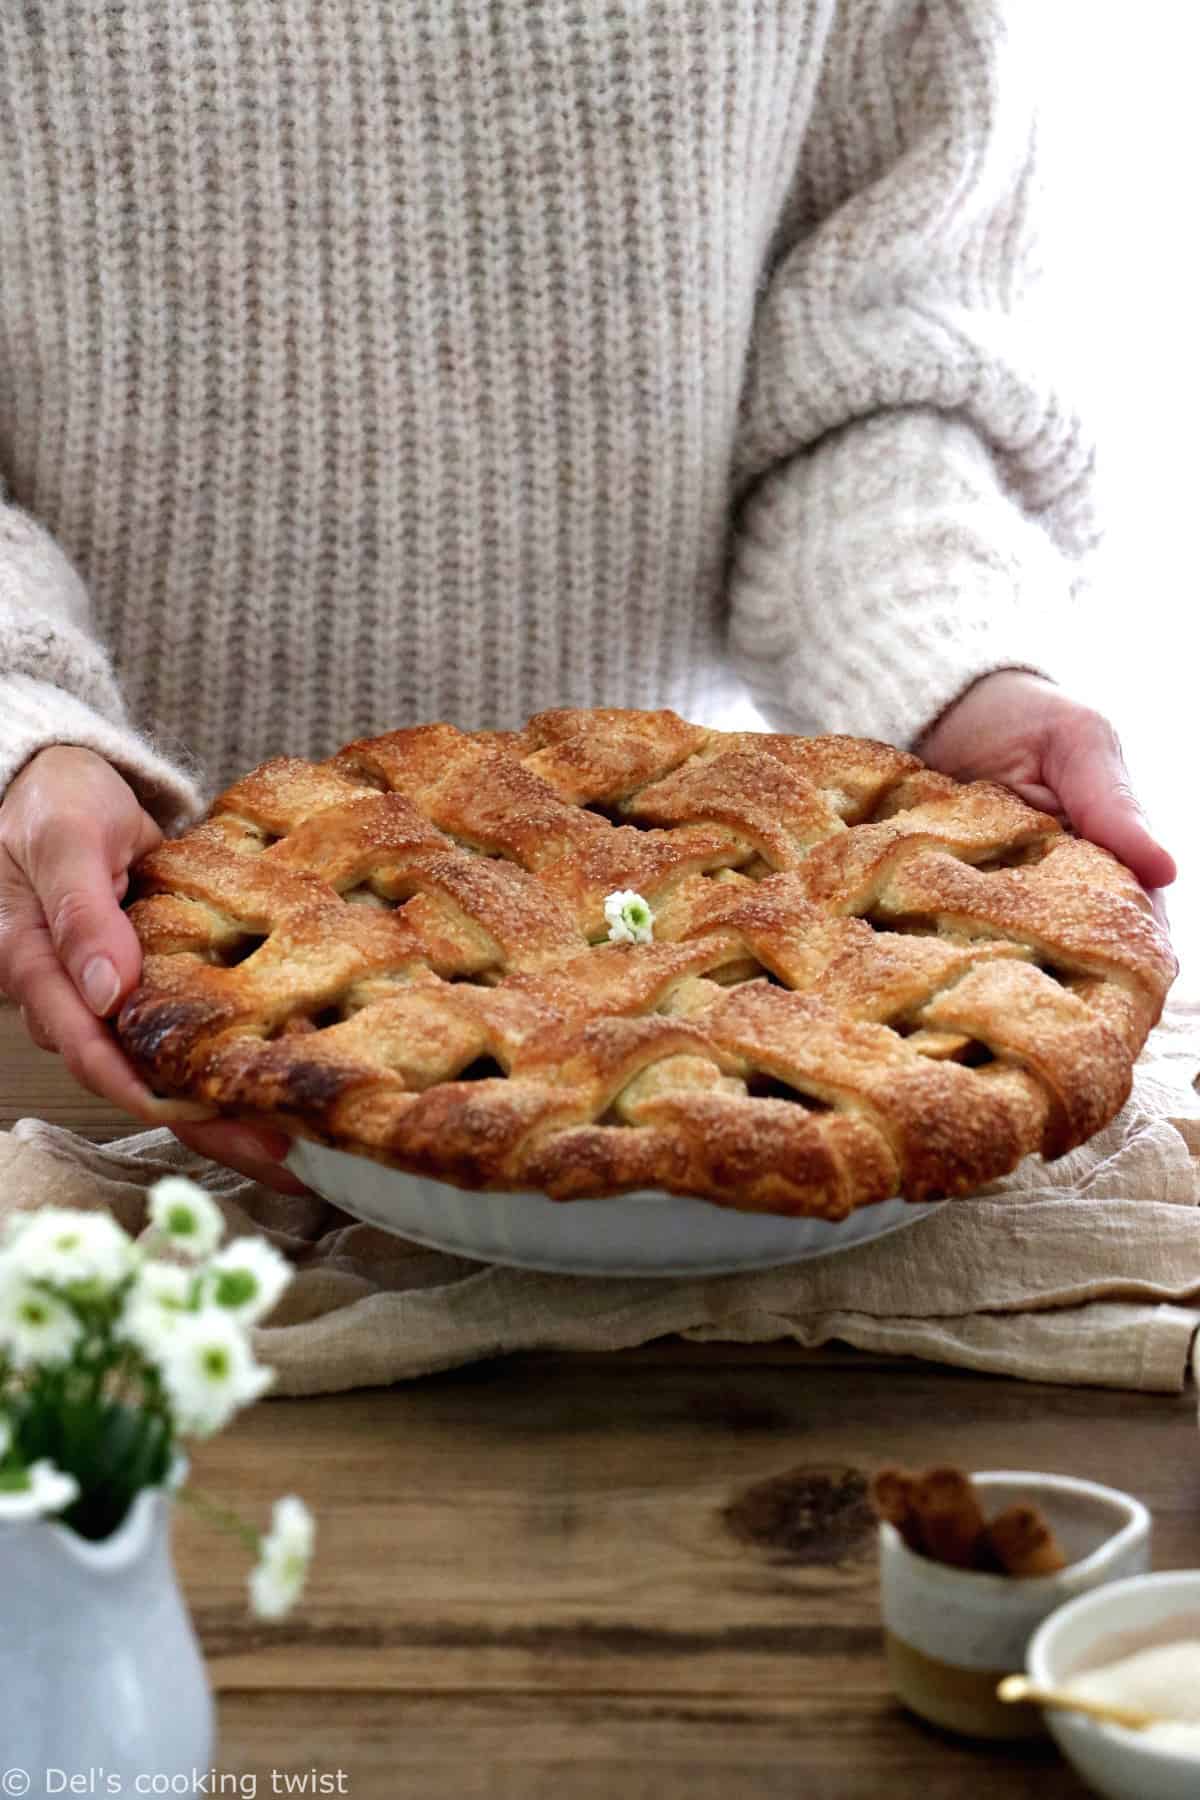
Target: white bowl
<point>1098,1628</point>
<point>951,1635</point>
<point>629,1234</point>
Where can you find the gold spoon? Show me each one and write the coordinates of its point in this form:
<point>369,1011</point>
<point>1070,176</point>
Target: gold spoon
<point>1018,1687</point>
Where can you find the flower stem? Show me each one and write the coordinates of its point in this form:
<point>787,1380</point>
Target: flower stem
<point>220,1515</point>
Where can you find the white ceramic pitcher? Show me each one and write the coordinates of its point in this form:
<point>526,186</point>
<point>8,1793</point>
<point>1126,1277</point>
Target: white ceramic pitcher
<point>101,1673</point>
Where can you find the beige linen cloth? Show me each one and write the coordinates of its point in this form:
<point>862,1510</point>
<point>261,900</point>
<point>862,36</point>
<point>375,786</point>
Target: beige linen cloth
<point>1086,1270</point>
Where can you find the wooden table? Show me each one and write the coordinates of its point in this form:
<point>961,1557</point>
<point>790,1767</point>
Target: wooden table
<point>560,1576</point>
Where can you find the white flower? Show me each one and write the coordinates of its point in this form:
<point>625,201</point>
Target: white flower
<point>208,1371</point>
<point>630,920</point>
<point>154,1305</point>
<point>41,1488</point>
<point>285,1553</point>
<point>62,1245</point>
<point>246,1278</point>
<point>186,1214</point>
<point>36,1328</point>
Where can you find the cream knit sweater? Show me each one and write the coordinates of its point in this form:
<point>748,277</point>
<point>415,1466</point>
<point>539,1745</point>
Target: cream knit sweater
<point>364,362</point>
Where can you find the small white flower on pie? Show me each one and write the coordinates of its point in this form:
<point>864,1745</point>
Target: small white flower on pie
<point>208,1370</point>
<point>185,1214</point>
<point>157,1300</point>
<point>37,1329</point>
<point>285,1553</point>
<point>630,920</point>
<point>246,1278</point>
<point>41,1488</point>
<point>63,1245</point>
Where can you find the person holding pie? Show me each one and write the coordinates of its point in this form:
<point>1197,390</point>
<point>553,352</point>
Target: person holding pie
<point>365,367</point>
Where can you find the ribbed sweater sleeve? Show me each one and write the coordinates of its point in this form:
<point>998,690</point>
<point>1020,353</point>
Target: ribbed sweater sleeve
<point>917,495</point>
<point>57,684</point>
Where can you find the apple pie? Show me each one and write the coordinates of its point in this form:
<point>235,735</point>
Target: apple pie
<point>616,951</point>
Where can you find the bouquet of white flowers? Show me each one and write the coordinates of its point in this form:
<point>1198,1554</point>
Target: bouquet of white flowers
<point>110,1354</point>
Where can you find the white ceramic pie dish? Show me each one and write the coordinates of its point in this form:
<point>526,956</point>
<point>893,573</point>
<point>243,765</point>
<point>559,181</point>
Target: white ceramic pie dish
<point>645,1233</point>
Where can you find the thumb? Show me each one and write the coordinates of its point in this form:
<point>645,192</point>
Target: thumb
<point>73,877</point>
<point>1086,769</point>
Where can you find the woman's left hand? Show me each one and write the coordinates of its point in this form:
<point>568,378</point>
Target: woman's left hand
<point>1059,755</point>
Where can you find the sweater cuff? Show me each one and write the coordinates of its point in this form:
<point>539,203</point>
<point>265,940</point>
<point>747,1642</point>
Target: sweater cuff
<point>35,714</point>
<point>877,577</point>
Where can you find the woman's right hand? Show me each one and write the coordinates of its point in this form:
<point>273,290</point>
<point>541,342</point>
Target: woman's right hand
<point>70,827</point>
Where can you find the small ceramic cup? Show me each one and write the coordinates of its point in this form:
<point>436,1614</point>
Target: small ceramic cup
<point>951,1635</point>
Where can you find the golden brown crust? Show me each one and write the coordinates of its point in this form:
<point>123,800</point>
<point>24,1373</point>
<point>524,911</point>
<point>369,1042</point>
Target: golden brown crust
<point>866,979</point>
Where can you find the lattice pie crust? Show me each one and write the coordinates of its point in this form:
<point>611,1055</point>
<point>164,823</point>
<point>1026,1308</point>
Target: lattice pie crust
<point>865,979</point>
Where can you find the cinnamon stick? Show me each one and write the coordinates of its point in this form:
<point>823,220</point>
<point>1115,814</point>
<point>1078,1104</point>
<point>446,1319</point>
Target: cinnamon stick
<point>1023,1543</point>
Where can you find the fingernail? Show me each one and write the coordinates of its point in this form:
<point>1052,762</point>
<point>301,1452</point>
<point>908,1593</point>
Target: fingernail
<point>100,983</point>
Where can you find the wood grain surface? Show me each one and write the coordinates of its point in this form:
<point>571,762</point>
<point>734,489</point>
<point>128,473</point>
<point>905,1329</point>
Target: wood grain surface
<point>648,1573</point>
<point>557,1575</point>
